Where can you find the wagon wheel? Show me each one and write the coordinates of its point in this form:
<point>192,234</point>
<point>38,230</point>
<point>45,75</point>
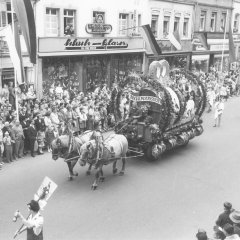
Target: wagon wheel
<point>148,153</point>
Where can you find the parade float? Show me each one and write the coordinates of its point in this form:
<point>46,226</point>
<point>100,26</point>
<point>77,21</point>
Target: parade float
<point>161,111</point>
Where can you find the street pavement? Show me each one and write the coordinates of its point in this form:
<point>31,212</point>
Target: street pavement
<point>168,199</point>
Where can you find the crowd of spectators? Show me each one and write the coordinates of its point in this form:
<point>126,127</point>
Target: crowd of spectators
<point>227,225</point>
<point>38,122</point>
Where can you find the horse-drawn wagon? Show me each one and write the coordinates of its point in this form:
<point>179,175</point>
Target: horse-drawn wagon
<point>165,111</point>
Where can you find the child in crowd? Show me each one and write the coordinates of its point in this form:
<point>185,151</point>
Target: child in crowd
<point>8,147</point>
<point>49,137</point>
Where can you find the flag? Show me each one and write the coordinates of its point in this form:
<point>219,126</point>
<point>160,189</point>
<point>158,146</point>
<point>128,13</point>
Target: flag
<point>15,57</point>
<point>21,76</point>
<point>150,39</point>
<point>203,39</point>
<point>25,15</point>
<point>174,38</point>
<point>232,56</point>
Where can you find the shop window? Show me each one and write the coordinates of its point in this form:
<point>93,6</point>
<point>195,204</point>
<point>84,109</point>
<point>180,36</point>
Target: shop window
<point>98,17</point>
<point>236,23</point>
<point>166,23</point>
<point>96,71</point>
<point>176,24</point>
<point>185,27</point>
<point>123,24</point>
<point>69,22</point>
<point>202,21</point>
<point>154,25</point>
<point>52,25</point>
<point>213,22</point>
<point>223,22</point>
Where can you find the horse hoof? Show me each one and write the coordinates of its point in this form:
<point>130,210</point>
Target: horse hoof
<point>88,173</point>
<point>70,178</point>
<point>76,174</point>
<point>115,171</point>
<point>102,179</point>
<point>121,173</point>
<point>94,187</point>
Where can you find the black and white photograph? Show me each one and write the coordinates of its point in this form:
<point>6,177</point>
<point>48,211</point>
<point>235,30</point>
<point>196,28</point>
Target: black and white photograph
<point>119,120</point>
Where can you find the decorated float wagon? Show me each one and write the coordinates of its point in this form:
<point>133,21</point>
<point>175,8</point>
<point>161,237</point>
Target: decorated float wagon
<point>160,111</point>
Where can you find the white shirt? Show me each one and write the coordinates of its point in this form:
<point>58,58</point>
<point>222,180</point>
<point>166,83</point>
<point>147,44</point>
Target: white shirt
<point>37,222</point>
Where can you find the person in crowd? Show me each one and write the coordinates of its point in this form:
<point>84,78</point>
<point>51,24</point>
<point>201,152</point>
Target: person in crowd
<point>82,120</point>
<point>25,125</point>
<point>32,135</point>
<point>41,128</point>
<point>19,139</point>
<point>49,137</point>
<point>11,94</point>
<point>7,141</point>
<point>219,107</point>
<point>34,223</point>
<point>235,218</point>
<point>54,117</point>
<point>228,230</point>
<point>1,148</point>
<point>202,235</point>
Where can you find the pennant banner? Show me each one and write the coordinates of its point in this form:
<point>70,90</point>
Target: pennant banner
<point>175,40</point>
<point>150,39</point>
<point>14,54</point>
<point>25,15</point>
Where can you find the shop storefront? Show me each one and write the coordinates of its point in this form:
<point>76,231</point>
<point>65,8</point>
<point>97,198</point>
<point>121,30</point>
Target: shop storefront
<point>176,59</point>
<point>86,63</point>
<point>200,63</point>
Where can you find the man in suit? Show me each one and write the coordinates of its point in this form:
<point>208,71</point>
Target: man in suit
<point>32,135</point>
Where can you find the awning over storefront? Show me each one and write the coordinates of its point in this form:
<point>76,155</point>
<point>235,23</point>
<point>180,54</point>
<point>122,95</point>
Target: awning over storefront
<point>89,46</point>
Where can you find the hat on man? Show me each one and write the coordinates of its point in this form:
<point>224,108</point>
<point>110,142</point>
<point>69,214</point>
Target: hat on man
<point>227,205</point>
<point>34,206</point>
<point>235,216</point>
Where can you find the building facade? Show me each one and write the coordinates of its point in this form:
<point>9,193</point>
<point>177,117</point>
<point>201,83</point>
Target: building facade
<point>6,65</point>
<point>170,17</point>
<point>211,25</point>
<point>236,27</point>
<point>84,45</point>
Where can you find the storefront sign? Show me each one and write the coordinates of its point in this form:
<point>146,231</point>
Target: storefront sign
<point>98,28</point>
<point>145,99</point>
<point>88,44</point>
<point>219,47</point>
<point>56,46</point>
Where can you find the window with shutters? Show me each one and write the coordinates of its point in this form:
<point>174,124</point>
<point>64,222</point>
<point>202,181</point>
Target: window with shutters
<point>154,25</point>
<point>176,24</point>
<point>69,22</point>
<point>202,20</point>
<point>236,23</point>
<point>223,21</point>
<point>166,23</point>
<point>123,24</point>
<point>186,27</point>
<point>213,22</point>
<point>52,22</point>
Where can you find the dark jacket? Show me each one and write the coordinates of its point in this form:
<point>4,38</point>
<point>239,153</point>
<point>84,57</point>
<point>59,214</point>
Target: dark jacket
<point>223,219</point>
<point>32,133</point>
<point>40,125</point>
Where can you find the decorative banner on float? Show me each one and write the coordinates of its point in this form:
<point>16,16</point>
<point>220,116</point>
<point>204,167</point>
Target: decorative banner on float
<point>145,99</point>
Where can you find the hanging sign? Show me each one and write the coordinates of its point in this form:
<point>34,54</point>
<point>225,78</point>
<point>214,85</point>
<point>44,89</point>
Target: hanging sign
<point>145,99</point>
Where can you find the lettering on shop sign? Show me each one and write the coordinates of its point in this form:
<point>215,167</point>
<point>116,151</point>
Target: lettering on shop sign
<point>98,28</point>
<point>145,99</point>
<point>92,44</point>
